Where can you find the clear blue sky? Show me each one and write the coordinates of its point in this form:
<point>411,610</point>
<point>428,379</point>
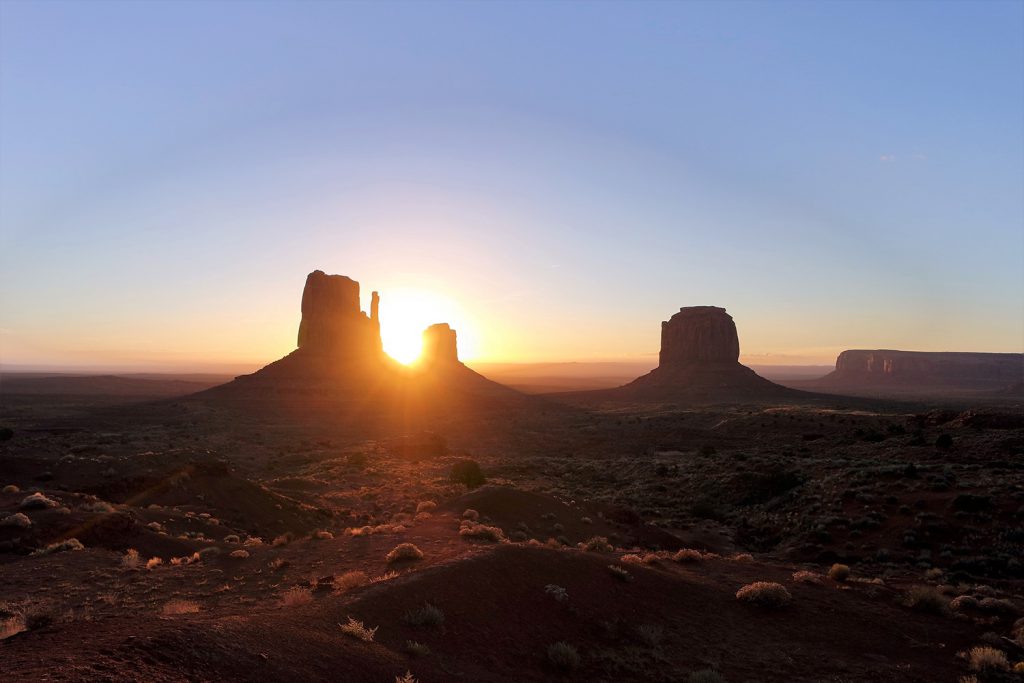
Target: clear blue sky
<point>838,175</point>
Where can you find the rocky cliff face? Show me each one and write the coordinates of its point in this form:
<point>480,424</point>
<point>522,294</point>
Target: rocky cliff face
<point>332,323</point>
<point>439,345</point>
<point>889,367</point>
<point>699,334</point>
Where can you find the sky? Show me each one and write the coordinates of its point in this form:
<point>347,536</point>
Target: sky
<point>556,178</point>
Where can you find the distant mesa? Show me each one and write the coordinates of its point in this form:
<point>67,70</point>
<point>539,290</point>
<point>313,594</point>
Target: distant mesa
<point>331,320</point>
<point>886,368</point>
<point>699,360</point>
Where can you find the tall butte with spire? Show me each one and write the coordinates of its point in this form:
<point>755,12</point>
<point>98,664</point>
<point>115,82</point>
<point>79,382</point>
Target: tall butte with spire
<point>340,355</point>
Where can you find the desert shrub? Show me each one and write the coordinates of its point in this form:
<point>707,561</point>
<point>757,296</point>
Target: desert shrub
<point>252,541</point>
<point>986,658</point>
<point>839,572</point>
<point>295,596</point>
<point>11,488</point>
<point>557,592</point>
<point>518,536</point>
<point>131,560</point>
<point>650,635</point>
<point>427,615</point>
<point>926,599</point>
<point>60,546</point>
<point>356,629</point>
<point>404,552</point>
<point>37,501</point>
<point>416,649</point>
<point>563,656</point>
<point>153,562</point>
<point>620,573</point>
<point>426,506</point>
<point>177,606</point>
<point>742,557</point>
<point>18,519</point>
<point>631,558</point>
<point>687,555</point>
<point>482,532</point>
<point>467,472</point>
<point>1000,606</point>
<point>597,544</point>
<point>323,535</point>
<point>812,578</point>
<point>99,507</point>
<point>765,594</point>
<point>283,539</point>
<point>705,676</point>
<point>963,603</point>
<point>213,552</point>
<point>471,514</point>
<point>350,580</point>
<point>232,538</point>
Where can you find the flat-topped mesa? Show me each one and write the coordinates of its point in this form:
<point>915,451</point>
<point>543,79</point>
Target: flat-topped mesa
<point>439,345</point>
<point>699,335</point>
<point>332,322</point>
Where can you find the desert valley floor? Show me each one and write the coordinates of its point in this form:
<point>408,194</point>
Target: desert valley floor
<point>191,538</point>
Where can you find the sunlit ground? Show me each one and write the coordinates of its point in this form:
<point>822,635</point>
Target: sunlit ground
<point>405,313</point>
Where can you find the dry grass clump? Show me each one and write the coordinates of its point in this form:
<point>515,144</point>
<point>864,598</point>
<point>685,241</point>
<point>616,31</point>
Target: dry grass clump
<point>295,596</point>
<point>765,594</point>
<point>350,580</point>
<point>471,514</point>
<point>926,599</point>
<point>597,544</point>
<point>407,678</point>
<point>378,529</point>
<point>404,552</point>
<point>427,615</point>
<point>18,519</point>
<point>812,578</point>
<point>563,656</point>
<point>426,506</point>
<point>153,563</point>
<point>356,629</point>
<point>482,532</point>
<point>688,555</point>
<point>60,546</point>
<point>131,559</point>
<point>620,573</point>
<point>386,576</point>
<point>839,572</point>
<point>984,658</point>
<point>37,501</point>
<point>417,649</point>
<point>176,607</point>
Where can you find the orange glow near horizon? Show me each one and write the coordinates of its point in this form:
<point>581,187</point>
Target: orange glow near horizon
<point>406,313</point>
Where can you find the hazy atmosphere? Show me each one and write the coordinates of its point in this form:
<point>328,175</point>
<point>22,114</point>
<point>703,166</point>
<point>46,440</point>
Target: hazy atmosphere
<point>552,179</point>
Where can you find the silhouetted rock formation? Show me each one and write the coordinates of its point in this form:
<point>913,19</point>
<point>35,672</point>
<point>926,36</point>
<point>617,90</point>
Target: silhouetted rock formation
<point>340,359</point>
<point>439,345</point>
<point>699,334</point>
<point>907,369</point>
<point>699,361</point>
<point>332,322</point>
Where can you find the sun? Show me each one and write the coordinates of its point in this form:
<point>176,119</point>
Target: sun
<point>405,313</point>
